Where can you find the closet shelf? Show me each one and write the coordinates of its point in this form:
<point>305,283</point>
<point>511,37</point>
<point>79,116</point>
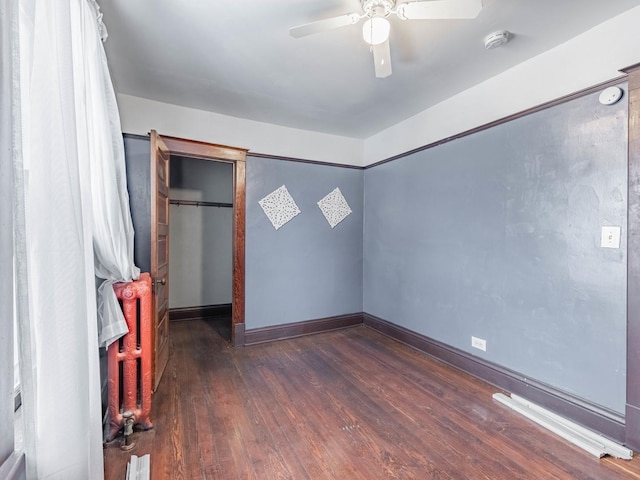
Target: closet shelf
<point>197,203</point>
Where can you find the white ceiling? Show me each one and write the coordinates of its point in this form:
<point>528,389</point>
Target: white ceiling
<point>237,58</point>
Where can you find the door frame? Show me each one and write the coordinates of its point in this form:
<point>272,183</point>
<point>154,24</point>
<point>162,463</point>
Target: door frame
<point>237,157</point>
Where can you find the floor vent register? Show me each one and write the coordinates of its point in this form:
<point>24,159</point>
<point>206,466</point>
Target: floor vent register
<point>139,468</point>
<point>584,438</point>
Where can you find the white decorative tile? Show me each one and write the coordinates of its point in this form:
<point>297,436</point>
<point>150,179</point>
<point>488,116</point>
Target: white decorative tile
<point>279,207</point>
<point>334,207</point>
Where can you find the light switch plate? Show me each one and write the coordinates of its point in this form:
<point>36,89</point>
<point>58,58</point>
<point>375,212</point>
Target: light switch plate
<point>610,237</point>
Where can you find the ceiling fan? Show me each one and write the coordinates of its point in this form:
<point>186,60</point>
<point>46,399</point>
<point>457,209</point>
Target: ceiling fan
<point>375,30</point>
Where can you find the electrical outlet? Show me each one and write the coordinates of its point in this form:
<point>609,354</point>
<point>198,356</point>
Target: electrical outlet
<point>479,343</point>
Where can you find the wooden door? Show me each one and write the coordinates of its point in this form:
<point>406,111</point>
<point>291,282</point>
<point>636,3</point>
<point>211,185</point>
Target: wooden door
<point>160,253</point>
<point>210,151</point>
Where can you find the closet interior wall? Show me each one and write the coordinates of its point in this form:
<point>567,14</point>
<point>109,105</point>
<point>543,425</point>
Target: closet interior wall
<point>201,226</point>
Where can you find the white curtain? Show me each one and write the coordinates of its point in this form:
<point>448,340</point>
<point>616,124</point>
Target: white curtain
<point>101,142</point>
<point>8,46</point>
<point>71,220</point>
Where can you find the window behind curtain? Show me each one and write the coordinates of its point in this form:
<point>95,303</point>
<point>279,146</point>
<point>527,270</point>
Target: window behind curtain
<point>16,356</point>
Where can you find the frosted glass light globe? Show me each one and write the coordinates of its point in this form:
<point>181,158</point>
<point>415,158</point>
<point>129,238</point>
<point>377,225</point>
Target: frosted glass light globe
<point>376,30</point>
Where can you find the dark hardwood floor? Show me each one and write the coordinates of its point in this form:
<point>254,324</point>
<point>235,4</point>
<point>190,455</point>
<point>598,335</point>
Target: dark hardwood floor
<point>349,404</point>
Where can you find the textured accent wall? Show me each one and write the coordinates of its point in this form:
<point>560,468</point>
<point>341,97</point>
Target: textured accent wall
<point>305,270</point>
<point>497,235</point>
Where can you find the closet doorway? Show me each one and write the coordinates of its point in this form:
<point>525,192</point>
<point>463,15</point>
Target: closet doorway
<point>164,151</point>
<point>201,246</point>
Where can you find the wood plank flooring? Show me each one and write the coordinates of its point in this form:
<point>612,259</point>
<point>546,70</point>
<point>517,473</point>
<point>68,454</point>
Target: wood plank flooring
<point>349,404</point>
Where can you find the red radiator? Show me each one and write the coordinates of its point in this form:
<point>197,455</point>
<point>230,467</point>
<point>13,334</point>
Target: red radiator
<point>129,359</point>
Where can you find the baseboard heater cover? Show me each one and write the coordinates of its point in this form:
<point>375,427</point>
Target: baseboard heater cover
<point>14,467</point>
<point>584,438</point>
<point>139,468</point>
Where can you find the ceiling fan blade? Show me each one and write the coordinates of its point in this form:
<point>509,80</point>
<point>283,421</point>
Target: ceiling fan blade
<point>382,59</point>
<point>439,9</point>
<point>324,25</point>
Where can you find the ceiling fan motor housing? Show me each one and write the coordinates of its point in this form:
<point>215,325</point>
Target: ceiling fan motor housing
<point>370,7</point>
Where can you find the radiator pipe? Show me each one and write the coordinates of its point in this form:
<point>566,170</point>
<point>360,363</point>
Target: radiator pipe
<point>128,443</point>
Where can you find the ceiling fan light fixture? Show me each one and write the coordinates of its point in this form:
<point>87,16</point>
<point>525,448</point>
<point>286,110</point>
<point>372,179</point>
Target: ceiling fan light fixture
<point>376,30</point>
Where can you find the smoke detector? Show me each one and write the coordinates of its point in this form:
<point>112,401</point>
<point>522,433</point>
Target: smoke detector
<point>610,95</point>
<point>496,39</point>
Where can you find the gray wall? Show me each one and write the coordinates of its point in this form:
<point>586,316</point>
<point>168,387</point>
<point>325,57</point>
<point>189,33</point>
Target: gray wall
<point>137,152</point>
<point>497,235</point>
<point>305,270</point>
<point>494,235</point>
<point>201,238</point>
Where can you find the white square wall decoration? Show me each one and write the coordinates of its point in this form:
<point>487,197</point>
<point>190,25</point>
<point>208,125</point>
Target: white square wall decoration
<point>334,207</point>
<point>279,207</point>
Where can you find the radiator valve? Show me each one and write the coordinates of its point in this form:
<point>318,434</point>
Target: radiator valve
<point>128,443</point>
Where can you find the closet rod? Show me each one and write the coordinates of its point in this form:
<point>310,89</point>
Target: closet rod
<point>196,203</point>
